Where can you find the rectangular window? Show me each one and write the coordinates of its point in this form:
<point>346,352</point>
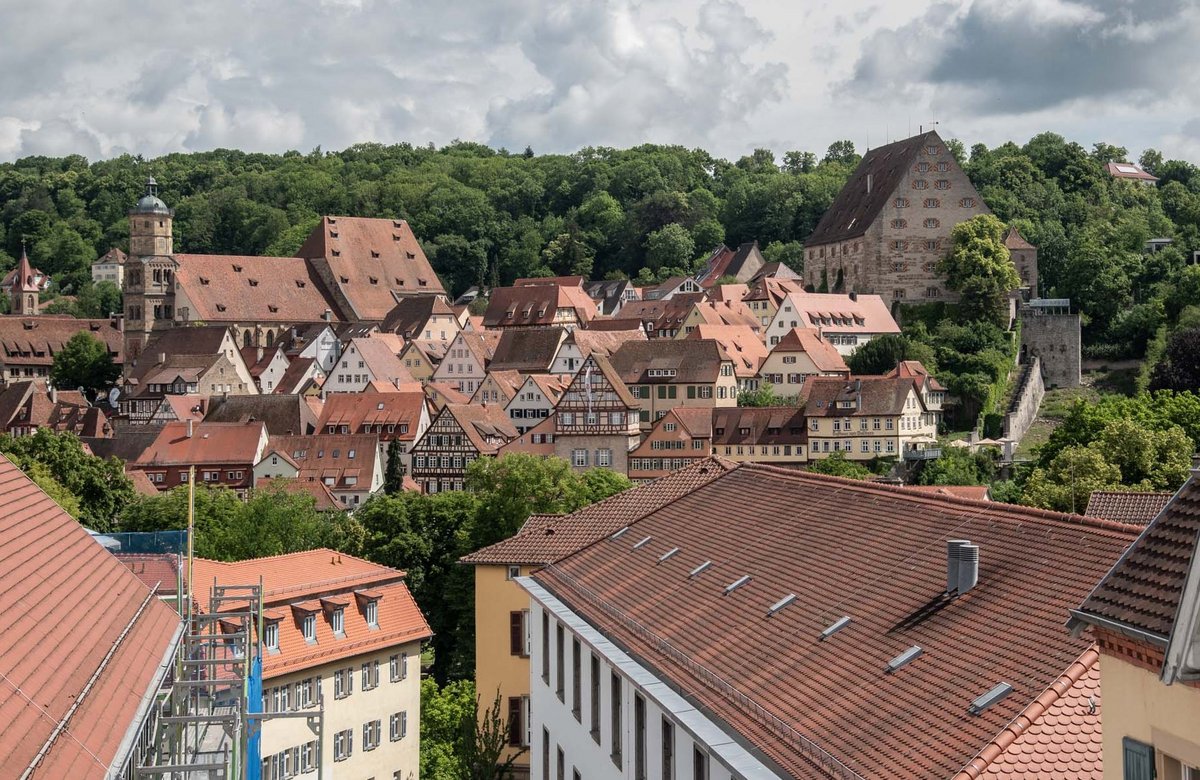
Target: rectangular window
<point>699,764</point>
<point>595,703</point>
<point>371,735</point>
<point>576,683</point>
<point>372,614</point>
<point>579,458</point>
<point>516,729</point>
<point>337,621</point>
<point>545,753</point>
<point>639,737</point>
<point>545,647</point>
<point>615,707</point>
<point>370,675</point>
<point>398,726</point>
<point>343,745</point>
<point>560,672</point>
<point>668,750</point>
<point>1138,760</point>
<point>604,457</point>
<point>516,632</point>
<point>271,635</point>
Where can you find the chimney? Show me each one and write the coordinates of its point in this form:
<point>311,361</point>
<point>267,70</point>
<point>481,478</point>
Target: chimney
<point>327,316</point>
<point>53,394</point>
<point>162,357</point>
<point>190,430</point>
<point>962,566</point>
<point>870,181</point>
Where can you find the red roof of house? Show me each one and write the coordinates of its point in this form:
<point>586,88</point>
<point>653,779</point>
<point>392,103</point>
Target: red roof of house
<point>354,410</point>
<point>1125,170</point>
<point>536,304</point>
<point>372,262</point>
<point>840,313</point>
<point>840,546</point>
<point>34,341</point>
<point>303,577</point>
<point>240,288</point>
<point>335,456</point>
<point>1126,506</point>
<point>159,570</point>
<point>808,340</point>
<point>1014,240</point>
<point>972,492</point>
<point>210,442</point>
<point>65,605</point>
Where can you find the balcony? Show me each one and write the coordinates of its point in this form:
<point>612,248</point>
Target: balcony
<point>930,453</point>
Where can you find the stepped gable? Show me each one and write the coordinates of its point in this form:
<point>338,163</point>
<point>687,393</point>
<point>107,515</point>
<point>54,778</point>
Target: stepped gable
<point>369,264</point>
<point>874,553</point>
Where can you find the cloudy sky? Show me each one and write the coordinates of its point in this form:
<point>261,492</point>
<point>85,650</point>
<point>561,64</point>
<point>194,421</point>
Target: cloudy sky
<point>104,78</point>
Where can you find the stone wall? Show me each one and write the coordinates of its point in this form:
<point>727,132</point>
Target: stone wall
<point>1024,406</point>
<point>1054,338</point>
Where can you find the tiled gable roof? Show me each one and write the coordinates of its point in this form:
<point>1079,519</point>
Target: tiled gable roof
<point>808,340</point>
<point>840,313</point>
<point>761,425</point>
<point>1142,592</point>
<point>239,288</point>
<point>355,410</point>
<point>546,538</point>
<point>694,361</point>
<point>529,350</point>
<point>331,456</point>
<point>483,422</point>
<point>409,316</point>
<point>535,304</point>
<point>841,546</point>
<point>282,414</point>
<point>855,209</point>
<point>381,353</point>
<point>604,342</point>
<point>210,442</point>
<point>1014,240</point>
<point>871,395</point>
<point>742,345</point>
<point>1126,506</point>
<point>65,604</point>
<point>371,262</point>
<point>505,382</point>
<point>36,340</point>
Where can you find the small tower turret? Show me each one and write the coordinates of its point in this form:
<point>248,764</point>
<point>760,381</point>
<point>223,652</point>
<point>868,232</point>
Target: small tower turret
<point>25,292</point>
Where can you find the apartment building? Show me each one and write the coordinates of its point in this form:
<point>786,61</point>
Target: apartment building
<point>369,361</point>
<point>596,420</point>
<point>466,361</point>
<point>342,634</point>
<point>348,464</point>
<point>680,438</point>
<point>777,435</point>
<point>535,400</point>
<point>459,435</point>
<point>223,454</point>
<point>664,374</point>
<point>401,417</point>
<point>868,417</point>
<point>799,354</point>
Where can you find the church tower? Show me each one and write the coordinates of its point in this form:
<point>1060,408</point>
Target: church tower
<point>24,294</point>
<point>150,272</point>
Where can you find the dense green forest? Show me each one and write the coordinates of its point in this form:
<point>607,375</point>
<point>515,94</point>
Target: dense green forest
<point>488,216</point>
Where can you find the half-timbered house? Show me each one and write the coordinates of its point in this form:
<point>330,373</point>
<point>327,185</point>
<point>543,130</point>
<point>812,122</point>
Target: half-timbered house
<point>459,435</point>
<point>596,419</point>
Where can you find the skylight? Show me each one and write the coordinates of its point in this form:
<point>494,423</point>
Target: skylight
<point>739,582</point>
<point>988,699</point>
<point>905,658</point>
<point>783,602</point>
<point>837,626</point>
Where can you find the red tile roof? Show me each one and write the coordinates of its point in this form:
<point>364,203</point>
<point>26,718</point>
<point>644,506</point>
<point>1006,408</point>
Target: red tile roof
<point>159,570</point>
<point>65,604</point>
<point>1126,506</point>
<point>536,305</point>
<point>371,262</point>
<point>1143,591</point>
<point>210,442</point>
<point>1014,240</point>
<point>1057,736</point>
<point>742,345</point>
<point>328,456</point>
<point>604,342</point>
<point>1124,170</point>
<point>839,313</point>
<point>839,545</point>
<point>808,340</point>
<point>34,341</point>
<point>298,578</point>
<point>354,410</point>
<point>546,538</point>
<point>872,395</point>
<point>239,288</point>
<point>972,492</point>
<point>486,425</point>
<point>762,425</point>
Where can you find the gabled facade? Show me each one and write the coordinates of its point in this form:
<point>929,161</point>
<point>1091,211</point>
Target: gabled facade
<point>319,343</point>
<point>27,406</point>
<point>661,318</point>
<point>669,288</point>
<point>110,267</point>
<point>845,321</point>
<point>498,387</point>
<point>579,344</point>
<point>764,295</point>
<point>742,345</point>
<point>421,358</point>
<point>868,417</point>
<point>680,438</point>
<point>611,295</point>
<point>596,420</point>
<point>535,400</point>
<point>402,417</point>
<point>741,264</point>
<point>890,224</point>
<point>459,435</point>
<point>466,362</point>
<point>801,353</point>
<point>540,303</point>
<point>369,361</point>
<point>348,464</point>
<point>665,374</point>
<point>267,366</point>
<point>223,454</point>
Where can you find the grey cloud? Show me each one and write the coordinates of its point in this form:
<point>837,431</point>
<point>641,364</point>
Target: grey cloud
<point>1000,56</point>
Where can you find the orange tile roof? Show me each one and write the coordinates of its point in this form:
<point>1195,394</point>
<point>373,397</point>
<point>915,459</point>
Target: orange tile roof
<point>372,262</point>
<point>65,604</point>
<point>209,443</point>
<point>325,455</point>
<point>742,345</point>
<point>1126,506</point>
<point>808,340</point>
<point>524,442</point>
<point>867,314</point>
<point>1057,736</point>
<point>546,538</point>
<point>837,542</point>
<point>354,410</point>
<point>34,341</point>
<point>153,569</point>
<point>239,288</point>
<point>304,578</point>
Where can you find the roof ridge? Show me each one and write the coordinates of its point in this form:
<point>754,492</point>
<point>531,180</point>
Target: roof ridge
<point>1027,717</point>
<point>1045,514</point>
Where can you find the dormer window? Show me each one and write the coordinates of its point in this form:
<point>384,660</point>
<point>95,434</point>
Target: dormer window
<point>337,621</point>
<point>309,627</point>
<point>237,269</point>
<point>271,636</point>
<point>371,613</point>
<point>374,253</point>
<point>373,279</point>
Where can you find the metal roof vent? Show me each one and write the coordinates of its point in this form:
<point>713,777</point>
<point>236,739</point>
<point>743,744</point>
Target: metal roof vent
<point>739,582</point>
<point>642,543</point>
<point>699,569</point>
<point>669,553</point>
<point>837,626</point>
<point>620,533</point>
<point>783,602</point>
<point>905,658</point>
<point>988,699</point>
<point>962,566</point>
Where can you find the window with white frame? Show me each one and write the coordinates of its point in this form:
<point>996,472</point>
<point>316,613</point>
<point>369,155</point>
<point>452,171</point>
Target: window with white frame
<point>343,745</point>
<point>271,635</point>
<point>398,726</point>
<point>309,627</point>
<point>337,620</point>
<point>604,457</point>
<point>370,675</point>
<point>371,613</point>
<point>579,457</point>
<point>371,731</point>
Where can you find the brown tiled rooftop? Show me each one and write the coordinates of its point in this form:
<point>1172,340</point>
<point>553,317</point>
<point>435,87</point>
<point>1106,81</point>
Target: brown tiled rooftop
<point>1126,506</point>
<point>874,553</point>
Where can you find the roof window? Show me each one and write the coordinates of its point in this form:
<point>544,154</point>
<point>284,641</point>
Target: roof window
<point>333,234</point>
<point>374,253</point>
<point>373,279</point>
<point>253,282</point>
<point>204,280</point>
<point>336,253</point>
<point>301,283</point>
<point>272,308</point>
<point>237,269</point>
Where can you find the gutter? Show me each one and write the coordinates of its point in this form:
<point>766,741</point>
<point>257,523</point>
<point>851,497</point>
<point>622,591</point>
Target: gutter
<point>1079,618</point>
<point>62,724</point>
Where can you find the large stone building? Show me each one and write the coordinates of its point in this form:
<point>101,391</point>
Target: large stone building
<point>349,269</point>
<point>891,223</point>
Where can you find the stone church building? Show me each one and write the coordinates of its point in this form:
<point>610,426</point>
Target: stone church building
<point>350,269</point>
<point>890,224</point>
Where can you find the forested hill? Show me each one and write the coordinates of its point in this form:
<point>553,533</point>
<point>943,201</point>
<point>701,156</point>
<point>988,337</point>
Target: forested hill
<point>490,216</point>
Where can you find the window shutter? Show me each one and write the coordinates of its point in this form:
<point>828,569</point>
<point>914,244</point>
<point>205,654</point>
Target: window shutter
<point>1139,760</point>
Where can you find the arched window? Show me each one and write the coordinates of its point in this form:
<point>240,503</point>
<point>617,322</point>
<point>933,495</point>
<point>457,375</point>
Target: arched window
<point>270,338</point>
<point>245,338</point>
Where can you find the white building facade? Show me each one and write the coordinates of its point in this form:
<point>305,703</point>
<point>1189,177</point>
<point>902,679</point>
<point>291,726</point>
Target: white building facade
<point>595,713</point>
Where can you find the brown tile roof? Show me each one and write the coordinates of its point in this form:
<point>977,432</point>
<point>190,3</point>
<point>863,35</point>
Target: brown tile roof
<point>528,350</point>
<point>854,209</point>
<point>487,426</point>
<point>727,313</point>
<point>372,263</point>
<point>728,292</point>
<point>1126,506</point>
<point>873,395</point>
<point>615,324</point>
<point>741,263</point>
<point>535,305</point>
<point>294,376</point>
<point>114,255</point>
<point>762,425</point>
<point>282,414</point>
<point>666,314</point>
<point>546,538</point>
<point>694,361</point>
<point>551,386</point>
<point>355,410</point>
<point>837,544</point>
<point>1057,736</point>
<point>506,382</point>
<point>141,483</point>
<point>1142,592</point>
<point>481,343</point>
<point>305,576</point>
<point>381,352</point>
<point>328,455</point>
<point>916,370</point>
<point>1014,240</point>
<point>238,288</point>
<point>610,374</point>
<point>604,342</point>
<point>408,317</point>
<point>775,270</point>
<point>972,492</point>
<point>210,442</point>
<point>1124,170</point>
<point>808,340</point>
<point>446,393</point>
<point>65,604</point>
<point>28,403</point>
<point>34,341</point>
<point>742,345</point>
